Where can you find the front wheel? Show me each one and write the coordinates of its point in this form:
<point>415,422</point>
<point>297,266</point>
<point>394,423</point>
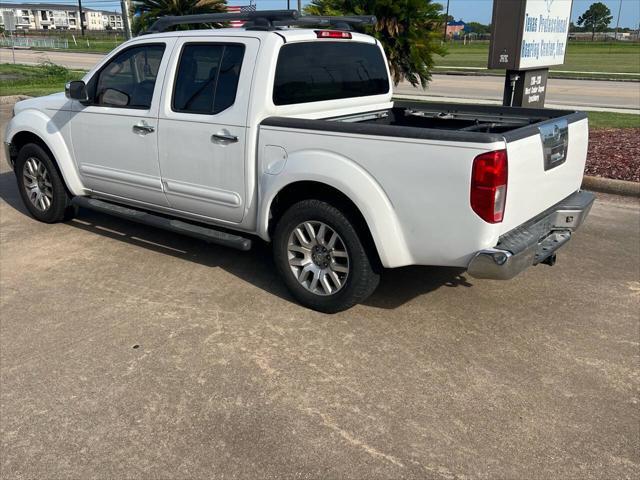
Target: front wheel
<point>322,259</point>
<point>40,185</point>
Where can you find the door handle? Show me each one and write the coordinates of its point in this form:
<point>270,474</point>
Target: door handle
<point>225,137</point>
<point>143,128</point>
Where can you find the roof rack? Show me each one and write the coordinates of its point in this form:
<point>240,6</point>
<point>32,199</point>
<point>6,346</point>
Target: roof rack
<point>341,23</point>
<point>264,20</point>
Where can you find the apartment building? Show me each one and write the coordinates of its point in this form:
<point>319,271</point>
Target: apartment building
<point>113,20</point>
<point>47,16</point>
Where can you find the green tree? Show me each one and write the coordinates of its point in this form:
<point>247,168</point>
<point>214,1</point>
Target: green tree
<point>409,31</point>
<point>147,11</point>
<point>597,18</point>
<point>479,28</point>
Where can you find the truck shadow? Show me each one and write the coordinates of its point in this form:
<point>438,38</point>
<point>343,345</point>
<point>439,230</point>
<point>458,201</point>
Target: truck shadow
<point>398,286</point>
<point>401,285</point>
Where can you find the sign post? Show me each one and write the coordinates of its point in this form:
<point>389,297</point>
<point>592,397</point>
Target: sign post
<point>9,21</point>
<point>527,37</point>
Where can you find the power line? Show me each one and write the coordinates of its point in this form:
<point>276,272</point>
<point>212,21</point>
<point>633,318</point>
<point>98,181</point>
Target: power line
<point>64,3</point>
<point>93,4</point>
<point>61,2</point>
<point>57,2</point>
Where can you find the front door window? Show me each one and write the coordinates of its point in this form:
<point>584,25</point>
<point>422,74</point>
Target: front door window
<point>129,79</point>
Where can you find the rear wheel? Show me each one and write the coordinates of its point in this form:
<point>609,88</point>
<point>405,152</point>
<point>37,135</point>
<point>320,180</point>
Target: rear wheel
<point>322,259</point>
<point>41,188</point>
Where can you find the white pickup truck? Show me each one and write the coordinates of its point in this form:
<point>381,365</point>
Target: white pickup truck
<point>291,135</point>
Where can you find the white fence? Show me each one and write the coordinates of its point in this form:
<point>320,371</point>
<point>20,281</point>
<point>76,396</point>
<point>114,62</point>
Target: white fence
<point>28,42</point>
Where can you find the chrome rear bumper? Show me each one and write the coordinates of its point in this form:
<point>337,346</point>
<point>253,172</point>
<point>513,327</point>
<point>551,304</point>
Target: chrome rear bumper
<point>533,242</point>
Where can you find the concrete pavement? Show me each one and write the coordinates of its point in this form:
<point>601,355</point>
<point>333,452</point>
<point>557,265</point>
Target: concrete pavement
<point>129,352</point>
<point>75,60</point>
<point>622,96</point>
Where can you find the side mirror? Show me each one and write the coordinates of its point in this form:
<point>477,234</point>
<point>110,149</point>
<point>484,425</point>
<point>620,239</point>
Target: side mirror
<point>76,90</point>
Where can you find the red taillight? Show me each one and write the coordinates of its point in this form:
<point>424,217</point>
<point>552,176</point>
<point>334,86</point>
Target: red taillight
<point>332,34</point>
<point>489,185</point>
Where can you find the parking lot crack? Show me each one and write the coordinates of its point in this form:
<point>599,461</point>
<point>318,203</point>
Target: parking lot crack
<point>351,439</point>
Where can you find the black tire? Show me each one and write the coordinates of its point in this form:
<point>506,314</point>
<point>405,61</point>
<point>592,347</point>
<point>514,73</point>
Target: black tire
<point>58,206</point>
<point>364,270</point>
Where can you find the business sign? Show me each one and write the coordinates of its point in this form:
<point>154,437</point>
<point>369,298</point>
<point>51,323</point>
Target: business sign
<point>529,33</point>
<point>529,90</point>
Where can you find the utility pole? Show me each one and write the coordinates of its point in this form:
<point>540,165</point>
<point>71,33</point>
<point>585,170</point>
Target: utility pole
<point>80,15</point>
<point>300,6</point>
<point>124,6</point>
<point>615,38</point>
<point>288,4</point>
<point>446,21</point>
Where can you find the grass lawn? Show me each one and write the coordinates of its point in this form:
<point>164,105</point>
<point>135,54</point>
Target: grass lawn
<point>35,80</point>
<point>581,57</point>
<point>91,42</point>
<point>48,78</point>
<point>97,46</point>
<point>598,120</point>
<point>94,46</point>
<point>613,120</point>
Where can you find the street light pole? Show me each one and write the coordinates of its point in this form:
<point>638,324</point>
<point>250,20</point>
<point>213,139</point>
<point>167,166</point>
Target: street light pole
<point>124,6</point>
<point>615,38</point>
<point>80,15</point>
<point>300,6</point>
<point>446,21</point>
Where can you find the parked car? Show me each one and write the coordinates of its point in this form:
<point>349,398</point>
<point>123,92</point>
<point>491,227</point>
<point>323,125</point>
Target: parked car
<point>291,135</point>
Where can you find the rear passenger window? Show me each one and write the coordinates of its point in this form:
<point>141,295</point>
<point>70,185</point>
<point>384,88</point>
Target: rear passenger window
<point>207,78</point>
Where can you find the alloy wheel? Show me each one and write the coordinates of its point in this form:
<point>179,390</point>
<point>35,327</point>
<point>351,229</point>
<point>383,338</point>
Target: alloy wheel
<point>318,258</point>
<point>37,184</point>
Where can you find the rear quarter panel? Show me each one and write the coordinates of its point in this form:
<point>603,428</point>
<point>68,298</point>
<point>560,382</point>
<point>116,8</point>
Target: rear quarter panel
<point>426,184</point>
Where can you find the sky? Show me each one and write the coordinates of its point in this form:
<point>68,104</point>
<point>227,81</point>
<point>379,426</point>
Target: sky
<point>480,10</point>
<point>467,10</point>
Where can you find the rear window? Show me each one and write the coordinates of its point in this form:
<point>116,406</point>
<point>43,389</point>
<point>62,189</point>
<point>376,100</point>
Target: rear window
<point>318,71</point>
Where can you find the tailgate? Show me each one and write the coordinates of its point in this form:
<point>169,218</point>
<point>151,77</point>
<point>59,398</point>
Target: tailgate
<point>546,165</point>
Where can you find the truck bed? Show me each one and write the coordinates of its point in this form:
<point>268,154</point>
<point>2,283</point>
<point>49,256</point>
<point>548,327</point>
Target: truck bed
<point>464,118</point>
<point>421,155</point>
<point>438,121</point>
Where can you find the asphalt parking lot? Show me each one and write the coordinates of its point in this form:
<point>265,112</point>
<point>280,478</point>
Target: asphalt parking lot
<point>129,352</point>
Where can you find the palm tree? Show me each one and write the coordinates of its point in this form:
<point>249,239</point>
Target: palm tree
<point>408,30</point>
<point>147,11</point>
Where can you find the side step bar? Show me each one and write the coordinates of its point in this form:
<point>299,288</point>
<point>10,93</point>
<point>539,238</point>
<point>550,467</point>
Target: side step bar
<point>196,231</point>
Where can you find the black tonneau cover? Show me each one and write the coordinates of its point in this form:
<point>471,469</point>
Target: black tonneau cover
<point>439,121</point>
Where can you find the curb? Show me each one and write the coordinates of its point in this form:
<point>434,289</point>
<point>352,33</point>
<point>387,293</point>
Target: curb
<point>614,187</point>
<point>496,101</point>
<point>475,73</point>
